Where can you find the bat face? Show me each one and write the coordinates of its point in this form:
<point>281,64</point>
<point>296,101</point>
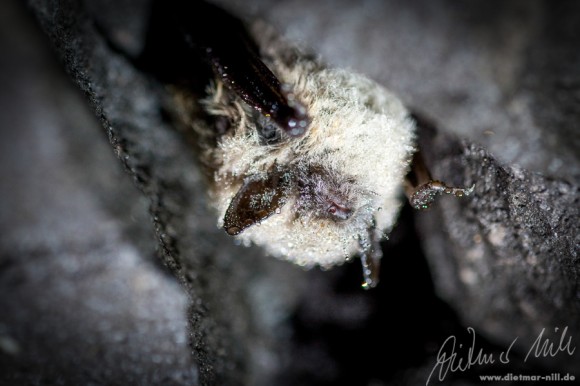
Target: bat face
<point>323,196</point>
<point>307,161</point>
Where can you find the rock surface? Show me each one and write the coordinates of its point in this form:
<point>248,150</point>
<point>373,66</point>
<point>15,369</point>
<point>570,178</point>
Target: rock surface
<point>83,297</point>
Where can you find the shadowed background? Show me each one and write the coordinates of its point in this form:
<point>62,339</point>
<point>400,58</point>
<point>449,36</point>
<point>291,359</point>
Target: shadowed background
<point>114,273</point>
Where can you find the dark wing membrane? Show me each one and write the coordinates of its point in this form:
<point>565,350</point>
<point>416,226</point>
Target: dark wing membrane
<point>224,42</point>
<point>257,199</point>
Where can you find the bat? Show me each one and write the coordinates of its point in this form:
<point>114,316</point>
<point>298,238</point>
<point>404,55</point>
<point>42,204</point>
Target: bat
<point>307,161</point>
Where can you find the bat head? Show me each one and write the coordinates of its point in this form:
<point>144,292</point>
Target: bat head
<point>316,198</point>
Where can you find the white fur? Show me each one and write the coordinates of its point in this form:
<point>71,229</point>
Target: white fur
<point>358,130</point>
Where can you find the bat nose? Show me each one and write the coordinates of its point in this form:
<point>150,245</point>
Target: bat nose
<point>339,212</point>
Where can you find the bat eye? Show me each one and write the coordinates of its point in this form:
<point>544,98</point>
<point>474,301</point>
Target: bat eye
<point>339,212</point>
<point>222,124</point>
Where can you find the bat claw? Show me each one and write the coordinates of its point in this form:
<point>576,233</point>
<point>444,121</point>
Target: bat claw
<point>426,194</point>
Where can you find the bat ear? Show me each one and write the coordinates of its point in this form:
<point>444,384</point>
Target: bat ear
<point>258,198</point>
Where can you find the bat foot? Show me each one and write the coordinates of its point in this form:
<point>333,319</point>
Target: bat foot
<point>425,194</point>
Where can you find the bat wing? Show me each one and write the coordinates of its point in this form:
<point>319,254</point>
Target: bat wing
<point>235,59</point>
<point>257,199</point>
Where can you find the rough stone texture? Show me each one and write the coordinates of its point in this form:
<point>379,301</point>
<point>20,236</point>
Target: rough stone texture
<point>80,286</point>
<point>508,257</point>
<point>83,300</point>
